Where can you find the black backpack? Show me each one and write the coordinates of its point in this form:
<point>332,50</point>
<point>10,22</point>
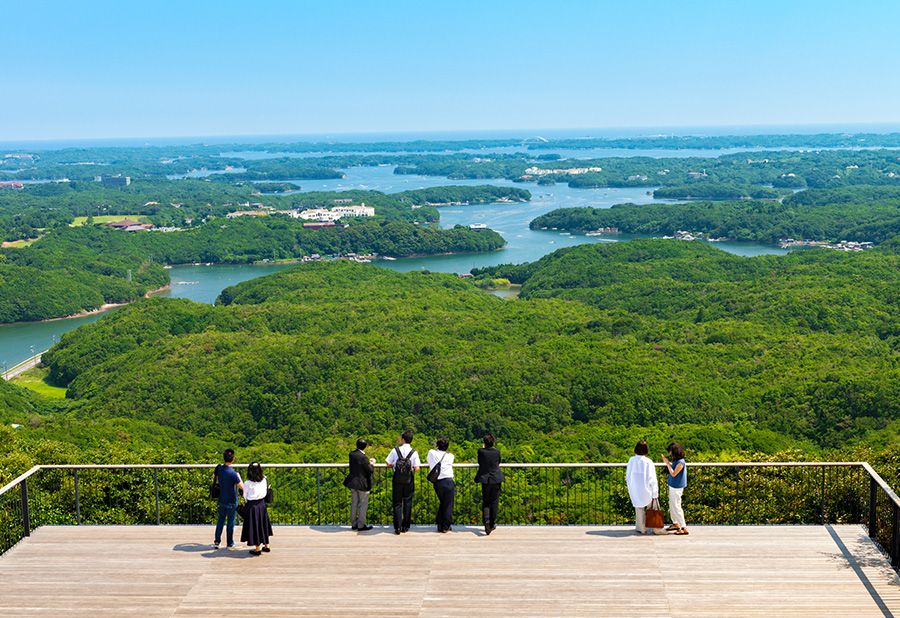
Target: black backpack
<point>403,470</point>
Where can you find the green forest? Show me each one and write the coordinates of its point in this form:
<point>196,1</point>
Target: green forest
<point>74,269</point>
<point>862,214</point>
<point>789,356</point>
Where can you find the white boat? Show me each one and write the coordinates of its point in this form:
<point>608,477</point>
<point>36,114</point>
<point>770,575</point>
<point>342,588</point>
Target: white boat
<point>389,259</point>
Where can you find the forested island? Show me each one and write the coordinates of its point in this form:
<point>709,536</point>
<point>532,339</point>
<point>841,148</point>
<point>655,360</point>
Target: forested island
<point>74,269</point>
<point>784,356</point>
<point>861,214</point>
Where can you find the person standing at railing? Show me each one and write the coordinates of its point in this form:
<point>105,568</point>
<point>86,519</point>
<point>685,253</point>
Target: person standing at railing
<point>440,472</point>
<point>405,463</point>
<point>677,469</point>
<point>257,526</point>
<point>229,481</point>
<point>359,482</point>
<point>491,477</point>
<point>643,488</point>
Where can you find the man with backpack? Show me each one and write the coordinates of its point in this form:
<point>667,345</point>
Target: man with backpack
<point>405,462</point>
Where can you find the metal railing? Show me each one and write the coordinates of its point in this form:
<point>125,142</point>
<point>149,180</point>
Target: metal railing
<point>533,494</point>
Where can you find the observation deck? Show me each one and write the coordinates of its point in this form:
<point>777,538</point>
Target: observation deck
<point>564,547</point>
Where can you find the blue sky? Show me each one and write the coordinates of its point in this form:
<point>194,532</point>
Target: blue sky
<point>96,69</point>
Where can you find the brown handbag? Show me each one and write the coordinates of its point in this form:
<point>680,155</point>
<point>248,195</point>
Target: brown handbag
<point>654,516</point>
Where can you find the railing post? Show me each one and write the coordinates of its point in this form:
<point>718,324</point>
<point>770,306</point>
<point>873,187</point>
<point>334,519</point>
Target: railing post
<point>77,498</point>
<point>737,494</point>
<point>873,507</point>
<point>318,497</point>
<point>156,492</point>
<point>26,518</point>
<point>895,538</point>
<point>822,499</point>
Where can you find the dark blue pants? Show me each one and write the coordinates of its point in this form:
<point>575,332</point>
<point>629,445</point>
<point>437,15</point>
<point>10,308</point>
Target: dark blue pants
<point>446,493</point>
<point>226,512</point>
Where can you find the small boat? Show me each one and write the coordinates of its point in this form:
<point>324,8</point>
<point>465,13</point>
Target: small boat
<point>389,259</point>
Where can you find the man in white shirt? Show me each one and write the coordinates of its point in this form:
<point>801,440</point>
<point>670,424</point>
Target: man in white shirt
<point>405,463</point>
<point>643,488</point>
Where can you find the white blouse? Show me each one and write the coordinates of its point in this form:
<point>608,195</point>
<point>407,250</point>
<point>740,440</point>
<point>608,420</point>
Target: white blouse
<point>434,456</point>
<point>255,491</point>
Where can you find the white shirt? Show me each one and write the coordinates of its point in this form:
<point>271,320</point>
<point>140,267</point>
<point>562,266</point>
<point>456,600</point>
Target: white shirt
<point>255,491</point>
<point>404,450</point>
<point>640,474</point>
<point>435,456</point>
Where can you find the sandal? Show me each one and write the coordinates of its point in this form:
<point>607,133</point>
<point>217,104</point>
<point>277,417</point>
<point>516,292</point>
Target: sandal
<point>681,531</point>
<point>673,527</point>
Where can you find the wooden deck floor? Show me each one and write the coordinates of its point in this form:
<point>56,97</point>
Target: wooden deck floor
<point>527,571</point>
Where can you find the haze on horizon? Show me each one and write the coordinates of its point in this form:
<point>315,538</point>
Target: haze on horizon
<point>102,69</point>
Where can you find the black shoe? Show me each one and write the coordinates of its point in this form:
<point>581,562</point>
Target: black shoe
<point>404,529</point>
<point>354,528</point>
<point>365,528</point>
<point>493,527</point>
<point>396,531</point>
<point>266,549</point>
<point>487,530</point>
<point>255,552</point>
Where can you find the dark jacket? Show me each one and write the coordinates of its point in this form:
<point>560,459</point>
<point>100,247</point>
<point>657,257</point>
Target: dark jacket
<point>360,475</point>
<point>489,466</point>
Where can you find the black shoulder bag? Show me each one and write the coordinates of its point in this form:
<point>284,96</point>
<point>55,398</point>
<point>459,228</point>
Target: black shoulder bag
<point>214,489</point>
<point>435,472</point>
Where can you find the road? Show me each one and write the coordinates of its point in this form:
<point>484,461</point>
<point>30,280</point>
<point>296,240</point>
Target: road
<point>22,367</point>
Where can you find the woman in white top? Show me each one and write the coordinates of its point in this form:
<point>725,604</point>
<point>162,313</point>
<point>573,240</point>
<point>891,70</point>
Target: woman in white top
<point>643,488</point>
<point>444,486</point>
<point>257,527</point>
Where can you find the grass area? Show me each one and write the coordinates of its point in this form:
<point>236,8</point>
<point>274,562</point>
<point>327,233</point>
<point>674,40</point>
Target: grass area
<point>79,221</point>
<point>35,379</point>
<point>18,244</point>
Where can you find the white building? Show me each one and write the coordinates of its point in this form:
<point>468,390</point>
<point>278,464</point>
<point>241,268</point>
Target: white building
<point>354,211</point>
<point>319,214</point>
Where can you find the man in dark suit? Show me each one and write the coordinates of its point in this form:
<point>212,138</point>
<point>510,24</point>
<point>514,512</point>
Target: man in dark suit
<point>359,481</point>
<point>490,476</point>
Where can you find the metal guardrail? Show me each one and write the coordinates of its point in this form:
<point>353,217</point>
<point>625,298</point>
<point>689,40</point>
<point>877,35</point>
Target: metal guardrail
<point>741,493</point>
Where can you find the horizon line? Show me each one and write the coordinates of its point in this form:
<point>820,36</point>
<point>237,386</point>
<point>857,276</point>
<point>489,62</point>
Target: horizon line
<point>886,127</point>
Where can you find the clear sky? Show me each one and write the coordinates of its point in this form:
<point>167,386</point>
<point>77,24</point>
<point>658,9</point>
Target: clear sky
<point>96,69</point>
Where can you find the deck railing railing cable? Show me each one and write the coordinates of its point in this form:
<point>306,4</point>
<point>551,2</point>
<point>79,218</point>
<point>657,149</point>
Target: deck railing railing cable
<point>533,494</point>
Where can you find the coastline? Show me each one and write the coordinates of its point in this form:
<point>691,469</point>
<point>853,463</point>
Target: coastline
<point>102,309</point>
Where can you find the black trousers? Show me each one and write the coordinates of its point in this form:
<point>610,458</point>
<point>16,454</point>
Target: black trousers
<point>402,496</point>
<point>446,493</point>
<point>490,499</point>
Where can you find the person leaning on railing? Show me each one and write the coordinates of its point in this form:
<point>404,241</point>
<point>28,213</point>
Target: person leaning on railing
<point>440,466</point>
<point>405,462</point>
<point>491,478</point>
<point>677,481</point>
<point>640,475</point>
<point>257,527</point>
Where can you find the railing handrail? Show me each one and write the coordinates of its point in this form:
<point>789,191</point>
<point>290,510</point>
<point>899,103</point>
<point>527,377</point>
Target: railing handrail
<point>19,479</point>
<point>510,464</point>
<point>881,483</point>
<point>737,464</point>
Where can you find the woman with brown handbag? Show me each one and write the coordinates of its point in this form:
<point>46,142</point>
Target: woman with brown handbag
<point>643,488</point>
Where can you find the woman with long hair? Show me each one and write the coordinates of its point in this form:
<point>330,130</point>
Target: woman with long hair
<point>257,527</point>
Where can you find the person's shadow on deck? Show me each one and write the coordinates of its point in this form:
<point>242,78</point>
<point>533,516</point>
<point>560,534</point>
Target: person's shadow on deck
<point>208,551</point>
<point>613,534</point>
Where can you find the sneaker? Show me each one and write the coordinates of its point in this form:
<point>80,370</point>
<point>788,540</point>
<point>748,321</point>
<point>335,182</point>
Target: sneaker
<point>365,528</point>
<point>232,546</point>
<point>215,544</point>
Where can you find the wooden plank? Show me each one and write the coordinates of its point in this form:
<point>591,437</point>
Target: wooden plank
<point>517,571</point>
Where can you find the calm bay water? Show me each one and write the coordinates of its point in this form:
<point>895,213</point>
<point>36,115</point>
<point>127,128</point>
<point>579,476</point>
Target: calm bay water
<point>203,283</point>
